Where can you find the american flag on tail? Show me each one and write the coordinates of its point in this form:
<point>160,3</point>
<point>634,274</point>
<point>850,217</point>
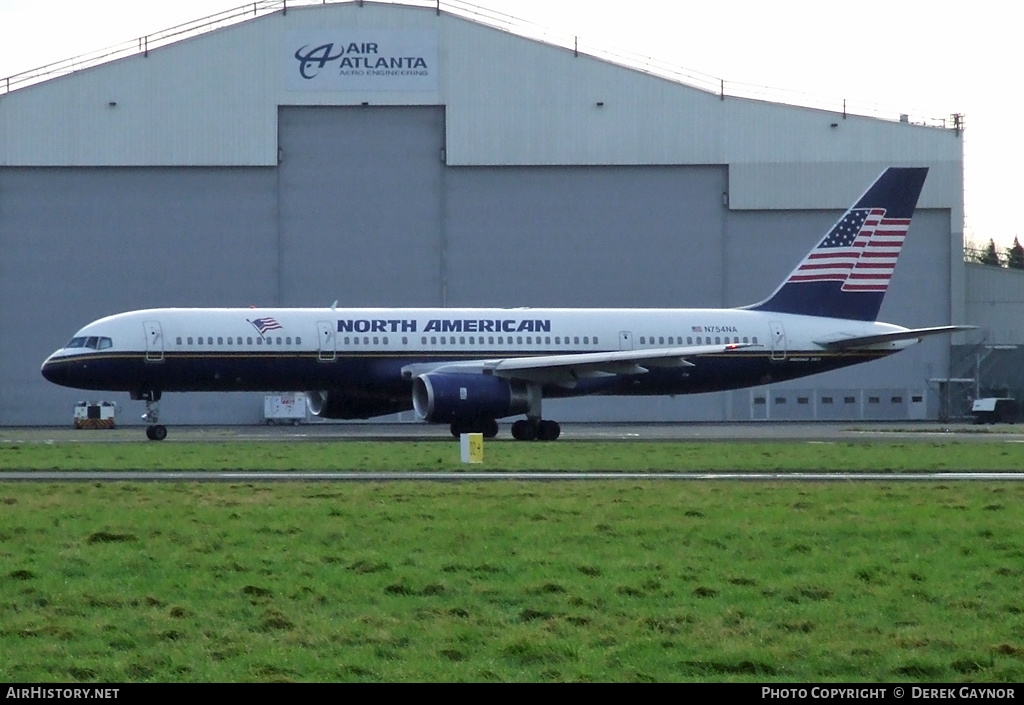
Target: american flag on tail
<point>860,251</point>
<point>875,265</point>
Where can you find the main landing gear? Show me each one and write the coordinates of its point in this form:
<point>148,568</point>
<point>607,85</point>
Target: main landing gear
<point>522,430</point>
<point>154,430</point>
<point>532,428</point>
<point>488,427</point>
<point>536,430</point>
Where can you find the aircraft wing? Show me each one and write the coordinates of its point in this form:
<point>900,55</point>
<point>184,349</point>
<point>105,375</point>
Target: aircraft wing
<point>565,370</point>
<point>864,341</point>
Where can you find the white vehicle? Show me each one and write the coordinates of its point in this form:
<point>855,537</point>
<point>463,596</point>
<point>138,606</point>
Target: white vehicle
<point>95,414</point>
<point>284,409</point>
<point>468,367</point>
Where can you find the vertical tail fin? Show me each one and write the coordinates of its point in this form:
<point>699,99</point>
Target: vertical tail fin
<point>847,274</point>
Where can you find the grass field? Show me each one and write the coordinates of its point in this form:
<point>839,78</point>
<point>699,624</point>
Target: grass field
<point>512,456</point>
<point>507,581</point>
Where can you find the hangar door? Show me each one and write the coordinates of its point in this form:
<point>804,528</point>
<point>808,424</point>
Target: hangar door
<point>360,193</point>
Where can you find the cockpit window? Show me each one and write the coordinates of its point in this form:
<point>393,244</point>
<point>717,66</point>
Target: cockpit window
<point>93,342</point>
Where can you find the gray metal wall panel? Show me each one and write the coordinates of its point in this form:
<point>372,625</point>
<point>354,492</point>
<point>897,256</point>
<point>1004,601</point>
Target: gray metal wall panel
<point>78,244</point>
<point>582,236</point>
<point>995,301</point>
<point>361,205</point>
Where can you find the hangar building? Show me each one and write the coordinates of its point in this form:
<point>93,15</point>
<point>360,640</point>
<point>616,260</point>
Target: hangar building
<point>273,161</point>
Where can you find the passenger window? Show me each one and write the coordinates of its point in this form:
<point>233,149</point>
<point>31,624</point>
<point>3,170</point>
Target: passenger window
<point>376,340</point>
<point>220,340</point>
<point>433,340</point>
<point>462,340</point>
<point>595,340</point>
<point>288,340</point>
<point>643,341</point>
<point>423,340</point>
<point>230,340</point>
<point>209,340</point>
<point>529,340</point>
<point>385,340</point>
<point>405,340</point>
<point>519,340</point>
<point>754,340</point>
<point>298,340</point>
<point>199,340</point>
<point>278,340</point>
<point>576,340</point>
<point>248,340</point>
<point>586,340</point>
<point>744,339</point>
<point>189,340</point>
<point>259,341</point>
<point>178,340</point>
<point>718,341</point>
<point>490,340</point>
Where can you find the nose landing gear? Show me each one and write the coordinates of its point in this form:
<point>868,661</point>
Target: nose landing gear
<point>155,431</point>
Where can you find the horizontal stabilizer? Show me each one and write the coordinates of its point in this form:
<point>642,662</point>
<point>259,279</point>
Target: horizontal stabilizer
<point>864,341</point>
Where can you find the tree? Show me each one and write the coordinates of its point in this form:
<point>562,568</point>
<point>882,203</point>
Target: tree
<point>990,256</point>
<point>1015,256</point>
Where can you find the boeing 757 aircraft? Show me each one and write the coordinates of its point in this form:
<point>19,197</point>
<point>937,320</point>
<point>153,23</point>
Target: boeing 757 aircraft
<point>469,367</point>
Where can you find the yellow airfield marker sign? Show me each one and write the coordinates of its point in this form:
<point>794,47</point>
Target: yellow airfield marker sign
<point>472,447</point>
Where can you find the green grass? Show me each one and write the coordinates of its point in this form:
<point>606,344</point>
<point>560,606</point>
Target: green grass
<point>506,581</point>
<point>512,456</point>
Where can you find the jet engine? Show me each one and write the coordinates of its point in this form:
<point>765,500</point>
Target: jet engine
<point>354,404</point>
<point>447,398</point>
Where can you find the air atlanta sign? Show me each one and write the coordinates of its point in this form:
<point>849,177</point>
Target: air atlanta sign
<point>362,60</point>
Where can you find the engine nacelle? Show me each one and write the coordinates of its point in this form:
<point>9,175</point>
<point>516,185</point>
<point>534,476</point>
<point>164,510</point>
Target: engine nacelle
<point>446,398</point>
<point>354,404</point>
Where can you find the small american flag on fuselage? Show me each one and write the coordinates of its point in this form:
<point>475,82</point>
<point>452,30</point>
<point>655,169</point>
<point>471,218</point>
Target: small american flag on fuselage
<point>265,324</point>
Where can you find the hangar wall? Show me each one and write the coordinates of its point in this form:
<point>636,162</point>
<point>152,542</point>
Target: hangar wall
<point>502,187</point>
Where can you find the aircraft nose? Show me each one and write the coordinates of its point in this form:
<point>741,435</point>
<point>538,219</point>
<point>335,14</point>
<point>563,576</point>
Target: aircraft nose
<point>54,371</point>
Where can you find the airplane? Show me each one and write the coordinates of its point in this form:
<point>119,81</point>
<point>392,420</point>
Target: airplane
<point>468,367</point>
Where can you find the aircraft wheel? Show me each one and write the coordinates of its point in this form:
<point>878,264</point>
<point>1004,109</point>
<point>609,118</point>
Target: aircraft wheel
<point>548,430</point>
<point>156,433</point>
<point>524,430</point>
<point>489,428</point>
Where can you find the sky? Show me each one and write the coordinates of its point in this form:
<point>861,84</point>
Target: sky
<point>925,58</point>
